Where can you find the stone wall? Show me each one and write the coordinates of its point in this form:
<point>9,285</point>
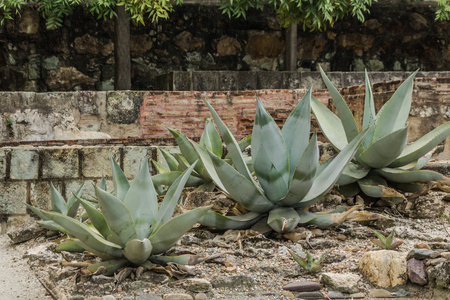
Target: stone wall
<point>394,37</point>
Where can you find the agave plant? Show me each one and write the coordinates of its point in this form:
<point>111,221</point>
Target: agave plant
<point>59,204</point>
<point>386,243</point>
<point>178,162</point>
<point>130,228</point>
<point>307,262</point>
<point>383,159</point>
<point>288,175</point>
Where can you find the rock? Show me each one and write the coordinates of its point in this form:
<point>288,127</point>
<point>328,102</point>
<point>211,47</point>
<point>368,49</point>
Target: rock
<point>177,296</point>
<point>186,42</point>
<point>401,293</point>
<point>346,283</point>
<point>66,78</point>
<point>422,254</point>
<point>201,296</point>
<point>154,278</point>
<point>380,293</point>
<point>232,281</point>
<point>228,46</point>
<point>123,107</point>
<point>445,254</point>
<point>25,232</point>
<point>357,42</point>
<point>310,295</point>
<point>385,268</point>
<point>417,22</point>
<point>196,285</point>
<point>264,46</point>
<point>422,245</point>
<point>139,44</point>
<point>310,48</point>
<point>29,21</point>
<point>108,297</point>
<point>78,297</point>
<point>302,286</point>
<point>50,63</point>
<point>334,257</point>
<point>357,295</point>
<point>423,207</point>
<point>87,44</point>
<point>102,279</point>
<point>416,271</point>
<point>435,261</point>
<point>335,295</point>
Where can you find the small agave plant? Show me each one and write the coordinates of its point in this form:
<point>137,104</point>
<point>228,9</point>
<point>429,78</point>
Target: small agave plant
<point>307,261</point>
<point>386,243</point>
<point>383,159</point>
<point>286,165</point>
<point>130,228</point>
<point>178,162</point>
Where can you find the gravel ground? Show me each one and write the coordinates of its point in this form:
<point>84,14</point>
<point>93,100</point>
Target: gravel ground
<point>17,281</point>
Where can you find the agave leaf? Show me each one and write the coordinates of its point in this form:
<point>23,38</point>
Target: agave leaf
<point>405,176</point>
<point>207,187</point>
<point>121,184</point>
<point>184,259</point>
<point>169,178</point>
<point>325,180</point>
<point>296,131</point>
<point>232,145</point>
<point>188,151</point>
<point>299,259</point>
<point>37,211</point>
<point>210,139</point>
<point>422,146</point>
<point>408,187</point>
<point>352,173</point>
<point>349,190</point>
<point>269,155</point>
<point>49,224</point>
<point>96,217</point>
<point>58,202</point>
<point>137,251</point>
<point>102,184</point>
<point>385,150</point>
<point>262,227</point>
<point>169,233</point>
<point>390,239</point>
<point>218,221</point>
<point>304,174</point>
<point>141,200</point>
<point>69,245</point>
<point>170,160</point>
<point>111,266</point>
<point>243,144</point>
<point>381,238</point>
<point>394,113</point>
<point>240,189</point>
<point>117,215</point>
<point>369,116</point>
<point>182,162</point>
<point>73,204</point>
<point>283,219</point>
<point>395,244</point>
<point>160,169</point>
<point>376,187</point>
<point>322,220</point>
<point>418,164</point>
<point>171,199</point>
<point>344,112</point>
<point>102,255</point>
<point>378,243</point>
<point>85,234</point>
<point>330,124</point>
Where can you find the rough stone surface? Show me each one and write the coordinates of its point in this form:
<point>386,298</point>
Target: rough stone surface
<point>440,275</point>
<point>132,159</point>
<point>228,46</point>
<point>40,194</point>
<point>25,232</point>
<point>12,197</point>
<point>385,268</point>
<point>416,271</point>
<point>302,286</point>
<point>2,163</point>
<point>423,207</point>
<point>422,254</point>
<point>346,283</point>
<point>24,163</point>
<point>232,281</point>
<point>310,295</point>
<point>196,285</point>
<point>67,78</point>
<point>380,293</point>
<point>96,161</point>
<point>123,107</point>
<point>177,296</point>
<point>60,163</point>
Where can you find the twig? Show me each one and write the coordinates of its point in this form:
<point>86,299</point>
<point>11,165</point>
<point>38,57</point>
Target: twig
<point>47,288</point>
<point>76,264</point>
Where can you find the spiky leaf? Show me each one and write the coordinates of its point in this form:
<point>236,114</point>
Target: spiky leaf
<point>120,181</point>
<point>218,221</point>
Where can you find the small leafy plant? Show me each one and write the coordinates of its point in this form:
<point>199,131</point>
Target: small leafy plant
<point>387,243</point>
<point>307,262</point>
<point>130,228</point>
<point>383,162</point>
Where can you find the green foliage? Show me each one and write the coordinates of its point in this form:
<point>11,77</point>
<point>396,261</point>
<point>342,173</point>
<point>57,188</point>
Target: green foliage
<point>314,15</point>
<point>130,227</point>
<point>286,165</point>
<point>386,243</point>
<point>54,11</point>
<point>383,159</point>
<point>307,262</point>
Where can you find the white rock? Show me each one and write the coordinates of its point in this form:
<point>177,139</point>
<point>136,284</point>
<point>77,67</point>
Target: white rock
<point>385,268</point>
<point>345,283</point>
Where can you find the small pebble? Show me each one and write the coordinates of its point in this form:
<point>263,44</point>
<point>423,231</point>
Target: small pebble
<point>341,237</point>
<point>435,262</point>
<point>201,296</point>
<point>379,293</point>
<point>108,297</point>
<point>445,254</point>
<point>422,246</point>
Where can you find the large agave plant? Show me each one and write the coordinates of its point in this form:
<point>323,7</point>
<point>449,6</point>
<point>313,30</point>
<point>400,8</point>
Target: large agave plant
<point>383,159</point>
<point>178,162</point>
<point>288,175</point>
<point>130,228</point>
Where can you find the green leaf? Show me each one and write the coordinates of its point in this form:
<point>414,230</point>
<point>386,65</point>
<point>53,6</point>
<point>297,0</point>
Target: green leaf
<point>347,120</point>
<point>160,169</point>
<point>321,220</point>
<point>418,164</point>
<point>405,176</point>
<point>51,225</point>
<point>117,216</point>
<point>283,219</point>
<point>169,178</point>
<point>96,218</point>
<point>121,184</point>
<point>305,172</point>
<point>170,160</point>
<point>376,187</point>
<point>58,202</point>
<point>183,165</point>
<point>243,144</point>
<point>184,259</point>
<point>296,131</point>
<point>269,155</point>
<point>137,251</point>
<point>394,113</point>
<point>330,124</point>
<point>102,255</point>
<point>69,245</point>
<point>169,233</point>
<point>187,150</point>
<point>422,146</point>
<point>85,234</point>
<point>37,211</point>
<point>210,139</point>
<point>141,200</point>
<point>171,199</point>
<point>352,173</point>
<point>369,116</point>
<point>239,188</point>
<point>218,221</point>
<point>385,150</point>
<point>102,184</point>
<point>73,204</point>
<point>111,266</point>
